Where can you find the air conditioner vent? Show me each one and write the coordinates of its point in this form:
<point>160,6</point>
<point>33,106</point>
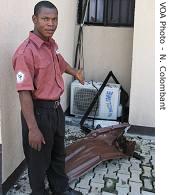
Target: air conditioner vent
<point>82,99</point>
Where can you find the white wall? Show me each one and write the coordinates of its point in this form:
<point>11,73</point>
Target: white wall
<point>0,129</point>
<point>15,26</point>
<point>142,96</point>
<point>106,49</point>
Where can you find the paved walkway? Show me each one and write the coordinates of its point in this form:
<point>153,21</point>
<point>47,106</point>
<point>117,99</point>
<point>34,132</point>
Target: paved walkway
<point>115,177</point>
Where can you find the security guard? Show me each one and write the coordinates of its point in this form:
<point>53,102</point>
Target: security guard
<point>39,66</point>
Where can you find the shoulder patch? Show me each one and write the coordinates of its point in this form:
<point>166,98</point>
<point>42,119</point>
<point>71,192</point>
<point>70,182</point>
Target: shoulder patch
<point>57,51</point>
<point>20,77</point>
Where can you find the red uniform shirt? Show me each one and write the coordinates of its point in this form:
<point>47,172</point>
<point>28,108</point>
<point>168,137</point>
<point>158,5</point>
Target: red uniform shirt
<point>39,67</point>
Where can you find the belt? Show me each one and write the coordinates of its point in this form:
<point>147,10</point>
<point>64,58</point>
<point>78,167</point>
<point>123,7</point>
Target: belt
<point>48,104</point>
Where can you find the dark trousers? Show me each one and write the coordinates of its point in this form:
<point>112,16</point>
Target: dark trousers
<point>50,161</point>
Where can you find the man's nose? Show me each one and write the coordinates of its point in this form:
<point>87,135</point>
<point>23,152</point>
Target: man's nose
<point>50,23</point>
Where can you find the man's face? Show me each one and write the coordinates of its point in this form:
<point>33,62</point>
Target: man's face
<point>45,23</point>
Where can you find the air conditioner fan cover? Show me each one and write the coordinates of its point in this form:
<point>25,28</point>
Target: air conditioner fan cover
<point>82,99</point>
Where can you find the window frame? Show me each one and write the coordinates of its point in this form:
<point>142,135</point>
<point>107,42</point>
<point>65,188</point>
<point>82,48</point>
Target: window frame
<point>106,22</point>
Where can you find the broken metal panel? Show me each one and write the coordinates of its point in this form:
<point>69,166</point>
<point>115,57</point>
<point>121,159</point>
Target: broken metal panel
<point>99,145</point>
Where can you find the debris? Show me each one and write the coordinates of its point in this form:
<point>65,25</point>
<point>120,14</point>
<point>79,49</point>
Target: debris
<point>98,146</point>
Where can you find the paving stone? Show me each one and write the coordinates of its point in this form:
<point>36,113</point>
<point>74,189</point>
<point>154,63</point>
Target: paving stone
<point>135,166</point>
<point>73,184</point>
<point>110,185</point>
<point>153,162</point>
<point>147,171</point>
<point>114,161</point>
<point>135,188</point>
<point>122,191</point>
<point>154,184</point>
<point>84,191</point>
<point>146,160</point>
<point>132,159</point>
<point>152,153</point>
<point>133,193</point>
<point>111,175</point>
<point>100,167</point>
<point>147,193</point>
<point>88,175</point>
<point>148,184</point>
<point>83,184</point>
<point>112,168</point>
<point>122,185</point>
<point>17,193</point>
<point>146,140</point>
<point>96,187</point>
<point>100,171</point>
<point>98,179</point>
<point>124,161</point>
<point>145,146</point>
<point>124,169</point>
<point>107,193</point>
<point>135,176</point>
<point>123,179</point>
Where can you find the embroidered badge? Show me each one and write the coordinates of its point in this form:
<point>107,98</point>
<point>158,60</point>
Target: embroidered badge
<point>20,77</point>
<point>58,51</point>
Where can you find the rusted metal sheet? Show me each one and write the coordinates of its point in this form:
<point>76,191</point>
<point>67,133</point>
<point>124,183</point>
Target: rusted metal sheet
<point>99,145</point>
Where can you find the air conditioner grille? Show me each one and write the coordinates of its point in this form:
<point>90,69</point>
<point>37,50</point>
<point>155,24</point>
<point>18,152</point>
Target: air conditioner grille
<point>82,99</point>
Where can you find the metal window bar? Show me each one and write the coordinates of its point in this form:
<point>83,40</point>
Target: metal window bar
<point>128,12</point>
<point>96,10</point>
<point>88,12</point>
<point>111,10</point>
<point>119,10</point>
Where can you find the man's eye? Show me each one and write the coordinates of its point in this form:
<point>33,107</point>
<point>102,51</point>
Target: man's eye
<point>45,19</point>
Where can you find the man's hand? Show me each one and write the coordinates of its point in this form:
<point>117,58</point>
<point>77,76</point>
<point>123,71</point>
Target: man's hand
<point>36,139</point>
<point>80,76</point>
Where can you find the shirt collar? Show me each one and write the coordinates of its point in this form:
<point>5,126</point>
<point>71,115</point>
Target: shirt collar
<point>38,41</point>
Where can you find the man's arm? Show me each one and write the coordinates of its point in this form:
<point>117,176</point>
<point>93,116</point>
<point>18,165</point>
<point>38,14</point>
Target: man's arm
<point>78,74</point>
<point>35,136</point>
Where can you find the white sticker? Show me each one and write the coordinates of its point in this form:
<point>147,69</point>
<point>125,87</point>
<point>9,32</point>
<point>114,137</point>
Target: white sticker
<point>58,51</point>
<point>20,77</point>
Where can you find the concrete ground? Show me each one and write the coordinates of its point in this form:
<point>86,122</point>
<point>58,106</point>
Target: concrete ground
<point>115,177</point>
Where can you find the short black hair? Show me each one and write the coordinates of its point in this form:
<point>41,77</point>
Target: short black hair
<point>41,4</point>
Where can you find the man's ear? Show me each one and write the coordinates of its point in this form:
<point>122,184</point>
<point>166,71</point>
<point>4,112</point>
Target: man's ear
<point>34,19</point>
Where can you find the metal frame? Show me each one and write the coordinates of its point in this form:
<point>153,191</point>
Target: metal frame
<point>123,100</point>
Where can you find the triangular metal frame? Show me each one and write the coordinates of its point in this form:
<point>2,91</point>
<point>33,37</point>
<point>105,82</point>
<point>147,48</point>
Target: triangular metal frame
<point>123,100</point>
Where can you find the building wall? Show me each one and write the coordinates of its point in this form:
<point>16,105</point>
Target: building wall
<point>15,25</point>
<point>108,49</point>
<point>142,96</point>
<point>0,129</point>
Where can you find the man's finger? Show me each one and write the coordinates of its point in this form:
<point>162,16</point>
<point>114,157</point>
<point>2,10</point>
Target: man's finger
<point>39,147</point>
<point>43,141</point>
<point>33,146</point>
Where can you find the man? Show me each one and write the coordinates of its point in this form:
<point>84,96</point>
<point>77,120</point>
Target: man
<point>39,67</point>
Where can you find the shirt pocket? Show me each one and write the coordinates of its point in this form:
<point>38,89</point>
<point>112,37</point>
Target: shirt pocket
<point>42,63</point>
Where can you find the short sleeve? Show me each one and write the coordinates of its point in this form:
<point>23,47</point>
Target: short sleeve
<point>24,72</point>
<point>62,63</point>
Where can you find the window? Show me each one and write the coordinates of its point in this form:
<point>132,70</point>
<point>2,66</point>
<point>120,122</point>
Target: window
<point>108,12</point>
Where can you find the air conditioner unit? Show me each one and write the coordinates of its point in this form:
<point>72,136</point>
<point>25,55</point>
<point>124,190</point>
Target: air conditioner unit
<point>108,105</point>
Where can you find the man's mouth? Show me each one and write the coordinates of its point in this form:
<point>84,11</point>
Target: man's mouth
<point>50,31</point>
